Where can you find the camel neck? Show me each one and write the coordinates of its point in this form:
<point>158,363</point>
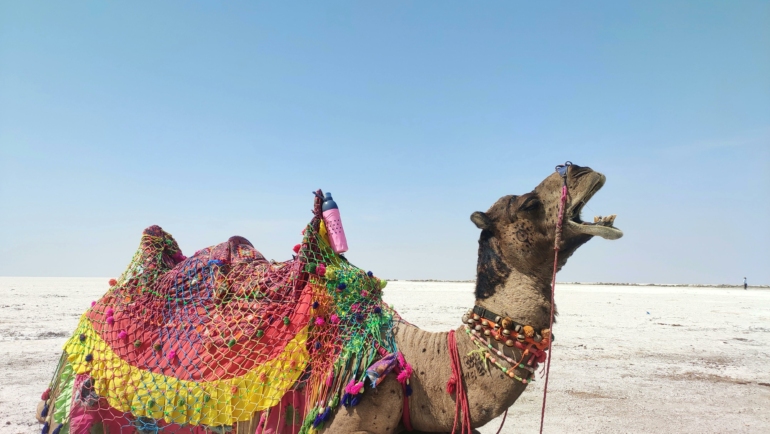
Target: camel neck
<point>490,391</point>
<point>524,298</point>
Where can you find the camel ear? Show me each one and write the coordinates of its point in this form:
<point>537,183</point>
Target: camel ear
<point>481,220</point>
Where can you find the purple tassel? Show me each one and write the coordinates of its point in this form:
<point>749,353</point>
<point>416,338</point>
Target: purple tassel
<point>346,399</point>
<point>408,390</point>
<point>44,413</point>
<point>317,421</point>
<point>58,428</point>
<point>356,399</point>
<point>327,414</point>
<point>46,427</point>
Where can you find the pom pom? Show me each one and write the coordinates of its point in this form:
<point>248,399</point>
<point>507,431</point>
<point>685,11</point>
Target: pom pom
<point>317,345</point>
<point>46,395</point>
<point>122,335</point>
<point>315,305</point>
<point>113,282</point>
<point>93,303</point>
<point>364,293</point>
<point>383,284</point>
<point>171,355</point>
<point>296,248</point>
<point>319,321</point>
<point>231,343</point>
<point>82,337</point>
<point>89,357</point>
<point>156,347</point>
<point>377,310</point>
<point>286,320</point>
<point>334,319</point>
<point>234,390</point>
<point>342,286</point>
<point>529,331</point>
<point>330,274</point>
<point>311,268</point>
<point>110,320</point>
<point>326,414</point>
<point>320,269</point>
<point>137,343</point>
<point>110,311</point>
<point>370,274</point>
<point>260,333</point>
<point>359,317</point>
<point>354,307</point>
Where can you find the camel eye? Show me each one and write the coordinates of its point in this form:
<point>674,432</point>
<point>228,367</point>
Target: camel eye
<point>530,204</point>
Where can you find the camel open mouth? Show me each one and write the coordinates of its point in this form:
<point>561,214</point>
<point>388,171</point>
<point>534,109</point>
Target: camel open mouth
<point>601,226</point>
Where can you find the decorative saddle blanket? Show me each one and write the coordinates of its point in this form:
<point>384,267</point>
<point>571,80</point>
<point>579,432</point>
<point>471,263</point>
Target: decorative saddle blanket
<point>222,336</point>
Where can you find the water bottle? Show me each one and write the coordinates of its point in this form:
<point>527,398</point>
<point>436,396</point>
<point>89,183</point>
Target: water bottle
<point>331,214</point>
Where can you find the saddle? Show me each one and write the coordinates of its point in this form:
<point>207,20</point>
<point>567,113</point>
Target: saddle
<point>214,339</point>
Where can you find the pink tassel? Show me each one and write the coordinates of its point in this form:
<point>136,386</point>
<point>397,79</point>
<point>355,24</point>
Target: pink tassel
<point>330,379</point>
<point>354,388</point>
<point>406,369</point>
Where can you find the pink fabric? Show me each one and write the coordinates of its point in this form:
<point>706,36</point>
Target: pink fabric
<point>286,417</point>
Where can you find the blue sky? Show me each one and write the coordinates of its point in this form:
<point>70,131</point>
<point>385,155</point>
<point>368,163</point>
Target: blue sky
<point>214,120</point>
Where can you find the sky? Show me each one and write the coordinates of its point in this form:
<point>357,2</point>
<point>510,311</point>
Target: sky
<point>214,119</point>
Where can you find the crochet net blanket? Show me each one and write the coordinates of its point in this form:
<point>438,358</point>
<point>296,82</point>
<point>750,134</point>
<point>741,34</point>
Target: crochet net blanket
<point>225,337</point>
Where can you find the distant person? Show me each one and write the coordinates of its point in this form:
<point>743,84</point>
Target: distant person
<point>745,285</point>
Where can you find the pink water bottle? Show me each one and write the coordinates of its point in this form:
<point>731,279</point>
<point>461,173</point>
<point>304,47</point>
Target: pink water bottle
<point>334,225</point>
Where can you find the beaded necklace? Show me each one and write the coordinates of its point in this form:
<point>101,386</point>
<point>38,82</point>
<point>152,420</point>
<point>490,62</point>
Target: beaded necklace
<point>482,330</point>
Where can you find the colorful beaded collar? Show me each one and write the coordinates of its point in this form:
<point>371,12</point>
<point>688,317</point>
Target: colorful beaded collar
<point>482,326</point>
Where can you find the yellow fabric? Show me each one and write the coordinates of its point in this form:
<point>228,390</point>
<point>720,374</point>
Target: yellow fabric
<point>131,389</point>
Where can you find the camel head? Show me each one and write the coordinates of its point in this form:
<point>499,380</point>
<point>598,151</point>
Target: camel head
<point>518,232</point>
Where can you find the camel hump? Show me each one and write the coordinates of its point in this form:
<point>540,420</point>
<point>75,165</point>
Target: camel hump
<point>241,250</point>
<point>157,241</point>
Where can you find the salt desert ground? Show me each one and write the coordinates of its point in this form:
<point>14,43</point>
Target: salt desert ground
<point>627,359</point>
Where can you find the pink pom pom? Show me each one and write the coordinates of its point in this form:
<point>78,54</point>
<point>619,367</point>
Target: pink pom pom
<point>171,355</point>
<point>354,307</point>
<point>122,335</point>
<point>113,282</point>
<point>110,312</point>
<point>364,293</point>
<point>320,269</point>
<point>93,303</point>
<point>296,248</point>
<point>354,388</point>
<point>110,320</point>
<point>319,321</point>
<point>334,319</point>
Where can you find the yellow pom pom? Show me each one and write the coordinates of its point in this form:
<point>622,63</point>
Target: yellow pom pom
<point>529,331</point>
<point>331,273</point>
<point>383,284</point>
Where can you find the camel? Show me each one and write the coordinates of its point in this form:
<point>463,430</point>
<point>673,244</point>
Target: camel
<point>514,277</point>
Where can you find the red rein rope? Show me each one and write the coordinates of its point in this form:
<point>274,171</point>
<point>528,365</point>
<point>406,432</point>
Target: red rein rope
<point>455,384</point>
<point>553,294</point>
